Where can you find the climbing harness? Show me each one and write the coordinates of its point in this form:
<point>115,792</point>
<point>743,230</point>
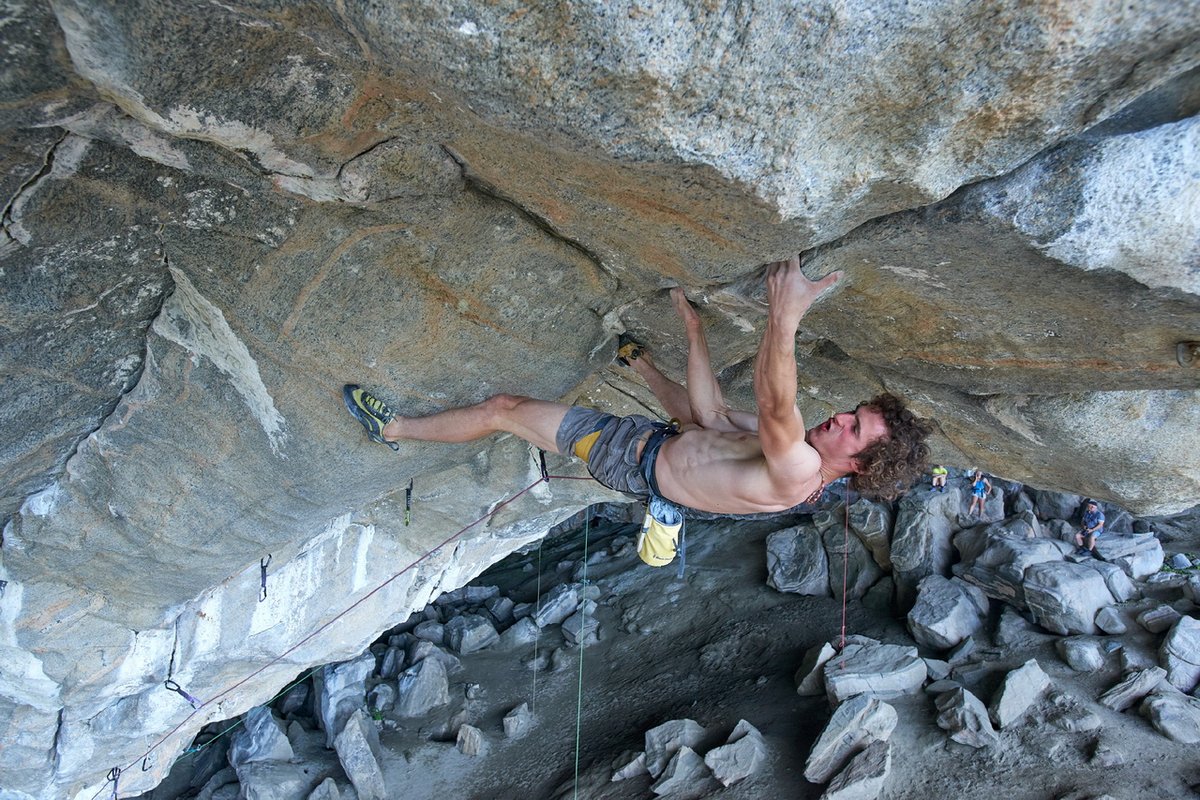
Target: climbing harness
<point>179,690</point>
<point>262,565</point>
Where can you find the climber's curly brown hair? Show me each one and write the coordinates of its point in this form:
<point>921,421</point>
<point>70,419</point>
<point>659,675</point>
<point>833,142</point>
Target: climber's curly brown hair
<point>889,466</point>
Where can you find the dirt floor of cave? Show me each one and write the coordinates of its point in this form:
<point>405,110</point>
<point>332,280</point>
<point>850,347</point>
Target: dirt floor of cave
<point>720,646</point>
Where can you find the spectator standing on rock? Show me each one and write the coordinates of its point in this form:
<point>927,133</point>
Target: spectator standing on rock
<point>980,486</point>
<point>939,478</point>
<point>1093,526</point>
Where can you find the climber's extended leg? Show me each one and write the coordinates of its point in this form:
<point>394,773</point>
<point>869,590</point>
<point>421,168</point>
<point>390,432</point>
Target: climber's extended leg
<point>674,398</point>
<point>535,421</point>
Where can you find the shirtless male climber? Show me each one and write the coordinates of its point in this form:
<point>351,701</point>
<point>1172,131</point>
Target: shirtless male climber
<point>719,460</point>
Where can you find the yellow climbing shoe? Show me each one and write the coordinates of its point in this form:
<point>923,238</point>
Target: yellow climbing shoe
<point>628,350</point>
<point>368,409</point>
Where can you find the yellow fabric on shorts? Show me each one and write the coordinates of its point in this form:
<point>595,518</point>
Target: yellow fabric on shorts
<point>583,448</point>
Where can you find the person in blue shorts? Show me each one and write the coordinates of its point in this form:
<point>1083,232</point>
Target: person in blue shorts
<point>1093,526</point>
<point>980,486</point>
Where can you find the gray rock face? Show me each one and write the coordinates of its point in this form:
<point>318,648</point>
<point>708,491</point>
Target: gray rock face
<point>946,612</point>
<point>963,716</point>
<point>996,559</point>
<point>359,754</point>
<point>1020,690</point>
<point>1180,654</point>
<point>1054,505</point>
<point>853,566</point>
<point>796,561</point>
<point>854,725</point>
<point>185,241</point>
<point>740,757</point>
<point>880,670</point>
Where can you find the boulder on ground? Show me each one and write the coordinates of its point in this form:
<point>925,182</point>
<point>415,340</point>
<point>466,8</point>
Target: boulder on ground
<point>1054,505</point>
<point>1021,689</point>
<point>470,633</point>
<point>740,757</point>
<point>854,725</point>
<point>422,687</point>
<point>1108,620</point>
<point>866,666</point>
<point>810,678</point>
<point>1064,597</point>
<point>922,540</point>
<point>582,627</point>
<point>1179,654</point>
<point>1140,555</point>
<point>1120,585</point>
<point>341,690</point>
<point>964,717</point>
<point>470,741</point>
<point>1082,653</point>
<point>518,722</point>
<point>685,775</point>
<point>947,611</point>
<point>854,568</point>
<point>260,738</point>
<point>996,559</point>
<point>327,790</point>
<point>1173,714</point>
<point>864,777</point>
<point>556,605</point>
<point>796,561</point>
<point>358,752</point>
<point>663,741</point>
<point>1134,686</point>
<point>1158,618</point>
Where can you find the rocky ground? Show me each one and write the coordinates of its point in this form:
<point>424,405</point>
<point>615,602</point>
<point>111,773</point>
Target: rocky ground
<point>966,694</point>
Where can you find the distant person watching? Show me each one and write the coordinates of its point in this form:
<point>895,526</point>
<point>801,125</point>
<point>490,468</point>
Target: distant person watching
<point>1093,526</point>
<point>939,478</point>
<point>980,486</point>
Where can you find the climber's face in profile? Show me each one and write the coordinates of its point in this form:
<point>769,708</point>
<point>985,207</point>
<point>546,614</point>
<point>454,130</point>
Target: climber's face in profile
<point>845,435</point>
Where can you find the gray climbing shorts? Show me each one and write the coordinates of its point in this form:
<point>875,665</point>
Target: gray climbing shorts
<point>608,445</point>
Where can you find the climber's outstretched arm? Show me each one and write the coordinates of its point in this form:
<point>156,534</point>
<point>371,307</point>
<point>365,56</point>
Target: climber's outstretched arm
<point>708,406</point>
